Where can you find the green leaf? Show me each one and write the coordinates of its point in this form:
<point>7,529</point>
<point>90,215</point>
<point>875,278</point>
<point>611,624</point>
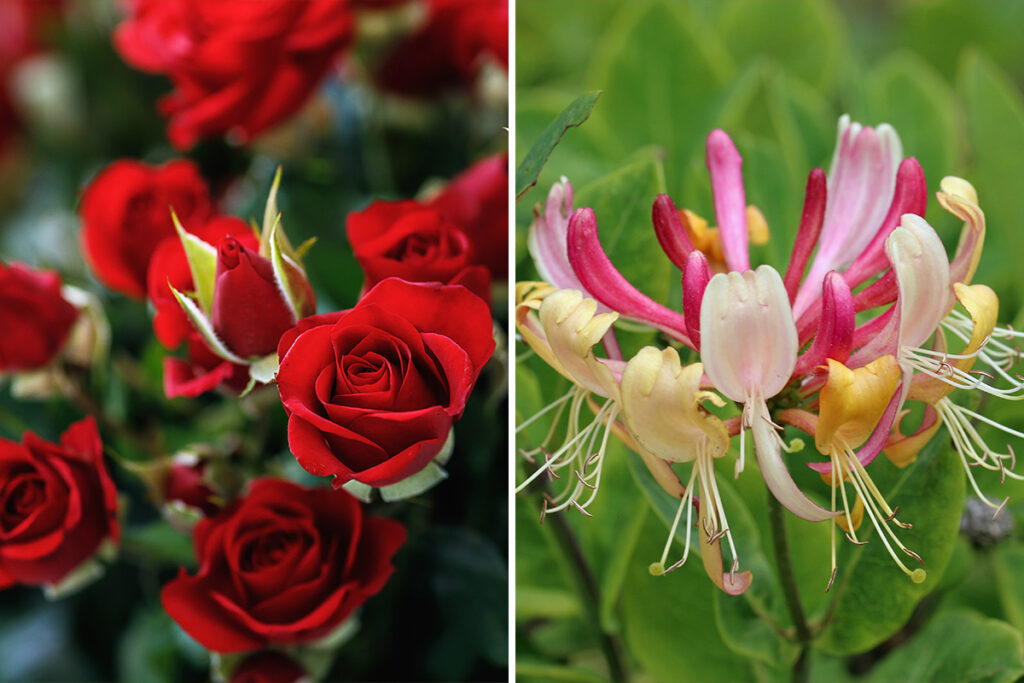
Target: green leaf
<point>959,646</point>
<point>873,597</point>
<point>542,671</point>
<point>663,72</point>
<point>805,36</point>
<point>670,620</point>
<point>158,542</point>
<point>202,262</point>
<point>1007,559</point>
<point>545,603</point>
<point>280,266</point>
<point>571,117</point>
<point>622,203</point>
<point>995,129</point>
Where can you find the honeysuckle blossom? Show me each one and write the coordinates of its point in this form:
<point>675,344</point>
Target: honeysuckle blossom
<point>836,353</point>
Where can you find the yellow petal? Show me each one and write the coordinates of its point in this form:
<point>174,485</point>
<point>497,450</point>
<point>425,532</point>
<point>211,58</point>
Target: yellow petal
<point>573,328</point>
<point>903,449</point>
<point>661,404</point>
<point>982,305</point>
<point>856,516</point>
<point>960,199</point>
<point>529,296</point>
<point>757,226</point>
<point>852,401</point>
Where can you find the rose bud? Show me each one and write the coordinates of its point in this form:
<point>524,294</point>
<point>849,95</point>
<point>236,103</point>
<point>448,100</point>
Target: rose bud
<point>282,565</point>
<point>185,484</point>
<point>241,302</point>
<point>125,216</point>
<point>35,317</point>
<point>412,241</point>
<point>249,312</point>
<point>57,506</point>
<point>372,393</point>
<point>268,666</point>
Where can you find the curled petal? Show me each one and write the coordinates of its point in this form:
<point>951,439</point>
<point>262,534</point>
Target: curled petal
<point>983,306</point>
<point>749,339</point>
<point>661,403</point>
<point>670,231</point>
<point>959,198</point>
<point>815,198</point>
<point>724,165</point>
<point>573,327</point>
<point>853,401</point>
<point>732,583</point>
<point>601,279</point>
<point>902,449</point>
<point>696,276</point>
<point>768,447</point>
<point>835,335</point>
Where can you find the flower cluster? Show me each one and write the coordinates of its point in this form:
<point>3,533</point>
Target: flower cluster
<point>839,346</point>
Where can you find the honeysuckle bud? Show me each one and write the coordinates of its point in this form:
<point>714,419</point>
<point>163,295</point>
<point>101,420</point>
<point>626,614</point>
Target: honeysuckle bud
<point>749,345</point>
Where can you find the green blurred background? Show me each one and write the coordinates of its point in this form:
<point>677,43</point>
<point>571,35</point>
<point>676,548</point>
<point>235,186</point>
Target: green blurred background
<point>776,75</point>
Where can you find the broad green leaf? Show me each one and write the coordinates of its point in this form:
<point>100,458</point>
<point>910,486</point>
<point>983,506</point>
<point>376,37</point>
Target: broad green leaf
<point>542,671</point>
<point>995,129</point>
<point>622,203</point>
<point>958,646</point>
<point>1007,560</point>
<point>873,597</point>
<point>670,620</point>
<point>573,115</point>
<point>805,36</point>
<point>663,73</point>
<point>907,93</point>
<point>738,618</point>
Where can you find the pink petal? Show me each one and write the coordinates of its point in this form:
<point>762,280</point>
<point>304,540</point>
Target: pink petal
<point>835,336</point>
<point>668,228</point>
<point>815,198</point>
<point>601,279</point>
<point>724,165</point>
<point>696,276</point>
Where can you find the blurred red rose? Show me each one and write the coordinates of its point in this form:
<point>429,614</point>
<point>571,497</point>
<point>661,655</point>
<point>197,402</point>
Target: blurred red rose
<point>283,565</point>
<point>185,483</point>
<point>57,504</point>
<point>412,241</point>
<point>126,213</point>
<point>477,201</point>
<point>34,317</point>
<point>371,393</point>
<point>268,666</point>
<point>236,65</point>
<point>448,50</point>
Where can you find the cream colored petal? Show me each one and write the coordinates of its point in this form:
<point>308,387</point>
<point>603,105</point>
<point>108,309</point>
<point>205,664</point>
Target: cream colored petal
<point>573,327</point>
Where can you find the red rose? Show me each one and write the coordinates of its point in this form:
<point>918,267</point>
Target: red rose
<point>412,241</point>
<point>126,213</point>
<point>57,504</point>
<point>371,393</point>
<point>249,311</point>
<point>284,564</point>
<point>169,268</point>
<point>34,317</point>
<point>449,48</point>
<point>268,666</point>
<point>236,65</point>
<point>477,201</point>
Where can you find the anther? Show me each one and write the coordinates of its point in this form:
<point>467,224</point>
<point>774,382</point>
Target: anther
<point>854,541</point>
<point>831,579</point>
<point>584,481</point>
<point>578,507</point>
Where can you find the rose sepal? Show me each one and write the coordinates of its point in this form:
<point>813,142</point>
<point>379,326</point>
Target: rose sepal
<point>204,326</point>
<point>202,262</point>
<point>424,480</point>
<point>84,574</point>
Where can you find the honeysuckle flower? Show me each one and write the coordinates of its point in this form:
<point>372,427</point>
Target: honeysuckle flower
<point>662,406</point>
<point>836,353</point>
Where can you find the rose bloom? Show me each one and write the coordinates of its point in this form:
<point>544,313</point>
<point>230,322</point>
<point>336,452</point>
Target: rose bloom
<point>447,51</point>
<point>126,214</point>
<point>284,565</point>
<point>34,316</point>
<point>57,504</point>
<point>371,393</point>
<point>477,201</point>
<point>236,65</point>
<point>413,241</point>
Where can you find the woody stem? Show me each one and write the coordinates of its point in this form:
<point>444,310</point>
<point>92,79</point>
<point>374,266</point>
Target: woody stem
<point>589,593</point>
<point>780,543</point>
